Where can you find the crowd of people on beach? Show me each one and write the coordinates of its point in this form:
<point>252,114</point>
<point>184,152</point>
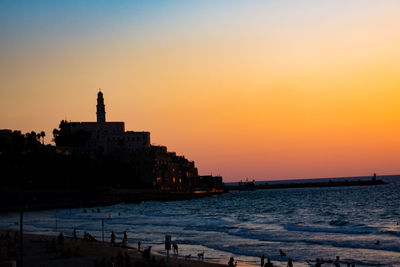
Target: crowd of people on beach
<point>264,262</point>
<point>270,264</point>
<point>318,262</point>
<point>55,245</point>
<point>119,260</point>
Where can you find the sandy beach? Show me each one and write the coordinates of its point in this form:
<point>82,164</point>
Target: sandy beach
<point>39,252</point>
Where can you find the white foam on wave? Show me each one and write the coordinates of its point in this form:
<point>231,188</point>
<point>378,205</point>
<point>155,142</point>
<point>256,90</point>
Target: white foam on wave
<point>341,230</point>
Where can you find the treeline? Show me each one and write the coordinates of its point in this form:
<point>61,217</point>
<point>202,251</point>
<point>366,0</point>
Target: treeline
<point>25,160</point>
<point>15,142</point>
<point>65,137</point>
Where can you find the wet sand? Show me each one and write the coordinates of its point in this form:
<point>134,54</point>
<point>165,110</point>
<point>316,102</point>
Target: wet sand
<point>37,254</point>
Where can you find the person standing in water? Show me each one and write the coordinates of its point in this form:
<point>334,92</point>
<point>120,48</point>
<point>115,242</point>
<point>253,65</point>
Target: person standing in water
<point>262,260</point>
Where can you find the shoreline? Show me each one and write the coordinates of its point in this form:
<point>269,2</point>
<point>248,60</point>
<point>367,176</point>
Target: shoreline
<point>37,253</point>
<point>59,199</point>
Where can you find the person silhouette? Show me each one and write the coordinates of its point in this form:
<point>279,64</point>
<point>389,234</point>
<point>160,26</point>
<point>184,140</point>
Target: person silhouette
<point>112,242</point>
<point>269,263</point>
<point>262,260</point>
<point>175,246</point>
<point>336,262</point>
<point>290,263</point>
<point>125,240</point>
<point>231,262</point>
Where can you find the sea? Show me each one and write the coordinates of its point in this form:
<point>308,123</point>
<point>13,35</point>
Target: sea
<point>305,223</point>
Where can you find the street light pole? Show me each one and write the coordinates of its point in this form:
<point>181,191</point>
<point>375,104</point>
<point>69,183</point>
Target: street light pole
<point>102,230</point>
<point>21,224</point>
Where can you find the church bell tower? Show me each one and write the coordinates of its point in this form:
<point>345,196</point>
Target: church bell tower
<point>101,109</point>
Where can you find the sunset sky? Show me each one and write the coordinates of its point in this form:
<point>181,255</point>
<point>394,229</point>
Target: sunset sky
<point>257,89</point>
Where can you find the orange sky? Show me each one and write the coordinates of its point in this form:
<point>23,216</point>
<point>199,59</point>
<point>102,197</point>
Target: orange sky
<point>267,91</point>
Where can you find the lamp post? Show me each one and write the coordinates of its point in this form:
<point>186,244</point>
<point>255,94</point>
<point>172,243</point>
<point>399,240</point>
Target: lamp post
<point>102,230</point>
<point>21,225</point>
<point>21,214</point>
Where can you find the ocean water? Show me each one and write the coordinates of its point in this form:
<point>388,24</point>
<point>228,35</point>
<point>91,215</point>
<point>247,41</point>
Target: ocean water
<point>306,223</point>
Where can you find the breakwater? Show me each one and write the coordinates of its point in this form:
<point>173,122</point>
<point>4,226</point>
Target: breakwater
<point>330,183</point>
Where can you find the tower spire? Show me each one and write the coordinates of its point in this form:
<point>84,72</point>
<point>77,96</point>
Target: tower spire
<point>101,109</point>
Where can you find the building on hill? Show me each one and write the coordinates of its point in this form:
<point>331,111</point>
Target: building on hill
<point>103,136</point>
<point>154,166</point>
<point>163,170</point>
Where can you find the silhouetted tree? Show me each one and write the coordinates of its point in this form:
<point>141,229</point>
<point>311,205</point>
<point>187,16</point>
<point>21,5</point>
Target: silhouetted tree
<point>42,135</point>
<point>18,141</point>
<point>32,140</point>
<point>65,137</point>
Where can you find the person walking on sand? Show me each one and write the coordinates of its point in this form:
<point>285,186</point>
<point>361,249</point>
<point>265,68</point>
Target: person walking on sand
<point>262,260</point>
<point>112,242</point>
<point>138,245</point>
<point>269,263</point>
<point>290,263</point>
<point>125,240</point>
<point>175,246</point>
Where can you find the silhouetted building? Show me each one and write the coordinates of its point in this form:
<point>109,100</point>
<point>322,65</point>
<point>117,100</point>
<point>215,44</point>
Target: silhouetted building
<point>106,137</point>
<point>152,165</point>
<point>101,109</point>
<point>162,169</point>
